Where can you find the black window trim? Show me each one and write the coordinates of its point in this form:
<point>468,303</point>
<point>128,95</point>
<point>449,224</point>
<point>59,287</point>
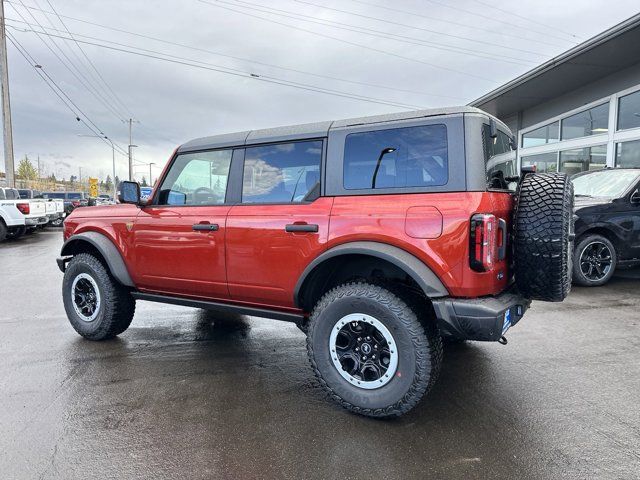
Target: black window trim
<point>153,201</point>
<point>334,168</point>
<point>486,160</point>
<point>233,194</point>
<point>281,142</point>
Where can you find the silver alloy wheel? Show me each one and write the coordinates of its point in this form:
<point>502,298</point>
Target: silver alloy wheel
<point>595,261</point>
<point>85,296</point>
<point>363,351</point>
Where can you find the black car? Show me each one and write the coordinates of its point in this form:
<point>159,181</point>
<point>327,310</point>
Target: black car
<point>607,205</point>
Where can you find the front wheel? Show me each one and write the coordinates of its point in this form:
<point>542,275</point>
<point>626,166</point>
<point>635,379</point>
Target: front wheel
<point>97,306</point>
<point>594,261</point>
<point>373,352</point>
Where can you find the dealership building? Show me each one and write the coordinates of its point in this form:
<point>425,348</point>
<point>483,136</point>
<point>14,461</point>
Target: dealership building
<point>580,110</point>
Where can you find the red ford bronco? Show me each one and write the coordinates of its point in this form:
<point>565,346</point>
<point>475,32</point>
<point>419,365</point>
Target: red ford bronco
<point>378,236</point>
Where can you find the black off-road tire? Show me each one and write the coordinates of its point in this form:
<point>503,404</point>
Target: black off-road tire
<point>3,230</point>
<point>579,278</point>
<point>117,306</point>
<point>418,342</point>
<point>543,236</point>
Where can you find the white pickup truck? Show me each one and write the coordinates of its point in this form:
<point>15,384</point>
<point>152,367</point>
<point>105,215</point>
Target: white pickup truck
<point>54,207</point>
<point>16,214</point>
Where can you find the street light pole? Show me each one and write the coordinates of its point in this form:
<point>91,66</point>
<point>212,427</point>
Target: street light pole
<point>6,106</point>
<point>150,179</point>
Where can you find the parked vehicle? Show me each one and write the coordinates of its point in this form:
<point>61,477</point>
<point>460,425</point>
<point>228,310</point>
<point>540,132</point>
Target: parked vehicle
<point>607,206</point>
<point>104,200</point>
<point>72,200</point>
<point>17,215</point>
<point>54,207</point>
<point>378,236</point>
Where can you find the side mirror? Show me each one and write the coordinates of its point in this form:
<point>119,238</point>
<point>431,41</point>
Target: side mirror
<point>493,128</point>
<point>129,192</point>
<point>635,197</point>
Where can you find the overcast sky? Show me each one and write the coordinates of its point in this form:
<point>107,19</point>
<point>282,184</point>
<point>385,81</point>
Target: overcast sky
<point>457,51</point>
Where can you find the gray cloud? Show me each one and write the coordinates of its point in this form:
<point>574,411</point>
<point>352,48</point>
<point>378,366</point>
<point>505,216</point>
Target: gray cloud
<point>175,103</point>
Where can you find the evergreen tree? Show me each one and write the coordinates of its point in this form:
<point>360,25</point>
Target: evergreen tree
<point>26,170</point>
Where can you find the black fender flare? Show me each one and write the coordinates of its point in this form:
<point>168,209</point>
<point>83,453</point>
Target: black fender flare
<point>107,249</point>
<point>410,264</point>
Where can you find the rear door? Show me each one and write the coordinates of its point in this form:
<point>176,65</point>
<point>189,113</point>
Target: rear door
<point>179,239</point>
<point>280,224</point>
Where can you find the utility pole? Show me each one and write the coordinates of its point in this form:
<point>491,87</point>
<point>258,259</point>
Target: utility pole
<point>39,176</point>
<point>150,180</point>
<point>6,106</point>
<point>130,122</point>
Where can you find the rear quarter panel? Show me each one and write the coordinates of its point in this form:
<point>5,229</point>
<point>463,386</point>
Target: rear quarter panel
<point>383,218</point>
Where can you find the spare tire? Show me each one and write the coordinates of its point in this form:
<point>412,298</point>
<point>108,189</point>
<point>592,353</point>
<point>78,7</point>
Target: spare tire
<point>543,236</point>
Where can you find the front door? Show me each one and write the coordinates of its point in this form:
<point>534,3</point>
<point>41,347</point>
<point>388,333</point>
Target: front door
<point>280,226</point>
<point>180,237</point>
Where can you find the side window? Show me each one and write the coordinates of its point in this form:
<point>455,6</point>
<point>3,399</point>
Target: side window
<point>12,194</point>
<point>197,179</point>
<point>282,173</point>
<point>396,158</point>
<point>500,160</point>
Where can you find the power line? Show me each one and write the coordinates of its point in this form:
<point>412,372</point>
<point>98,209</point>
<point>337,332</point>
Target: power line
<point>76,75</point>
<point>386,35</point>
<point>303,72</point>
<point>451,22</point>
<point>494,19</point>
<point>227,70</point>
<point>95,69</point>
<point>59,92</point>
<point>514,14</point>
<point>391,22</point>
<point>367,47</point>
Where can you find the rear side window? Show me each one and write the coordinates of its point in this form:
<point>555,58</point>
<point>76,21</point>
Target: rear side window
<point>396,158</point>
<point>12,194</point>
<point>500,160</point>
<point>282,173</point>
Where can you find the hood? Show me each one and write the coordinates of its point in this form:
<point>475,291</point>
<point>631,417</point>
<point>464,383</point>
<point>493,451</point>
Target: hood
<point>582,202</point>
<point>118,210</point>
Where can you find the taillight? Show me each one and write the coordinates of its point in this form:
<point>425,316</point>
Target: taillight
<point>24,208</point>
<point>483,242</point>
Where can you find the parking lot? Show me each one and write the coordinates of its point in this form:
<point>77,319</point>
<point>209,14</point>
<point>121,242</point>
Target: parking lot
<point>186,393</point>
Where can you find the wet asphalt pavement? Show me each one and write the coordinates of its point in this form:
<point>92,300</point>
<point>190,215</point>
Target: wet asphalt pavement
<point>186,393</point>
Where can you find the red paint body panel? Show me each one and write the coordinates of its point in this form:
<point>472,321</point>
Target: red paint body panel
<point>252,260</point>
<point>381,218</point>
<point>263,261</point>
<point>173,258</point>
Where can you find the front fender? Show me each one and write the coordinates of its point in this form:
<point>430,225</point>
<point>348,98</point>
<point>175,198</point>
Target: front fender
<point>106,248</point>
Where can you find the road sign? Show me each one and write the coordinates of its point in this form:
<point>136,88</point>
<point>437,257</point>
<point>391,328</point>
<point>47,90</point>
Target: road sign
<point>93,187</point>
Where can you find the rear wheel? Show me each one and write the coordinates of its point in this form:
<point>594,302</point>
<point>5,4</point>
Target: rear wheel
<point>97,306</point>
<point>594,261</point>
<point>543,236</point>
<point>372,351</point>
<point>3,230</point>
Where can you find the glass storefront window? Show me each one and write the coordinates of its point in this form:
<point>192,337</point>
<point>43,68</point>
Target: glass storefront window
<point>582,159</point>
<point>544,162</point>
<point>541,136</point>
<point>629,111</point>
<point>628,154</point>
<point>594,121</point>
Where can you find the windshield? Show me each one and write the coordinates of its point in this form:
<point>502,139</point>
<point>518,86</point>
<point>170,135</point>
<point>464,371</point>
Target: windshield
<point>606,183</point>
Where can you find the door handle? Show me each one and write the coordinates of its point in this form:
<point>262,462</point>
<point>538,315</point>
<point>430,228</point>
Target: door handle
<point>301,227</point>
<point>208,227</point>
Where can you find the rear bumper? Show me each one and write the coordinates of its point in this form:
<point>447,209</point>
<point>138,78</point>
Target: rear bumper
<point>34,221</point>
<point>485,318</point>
